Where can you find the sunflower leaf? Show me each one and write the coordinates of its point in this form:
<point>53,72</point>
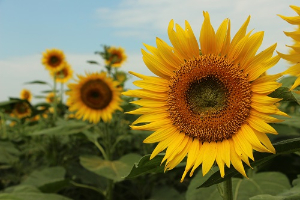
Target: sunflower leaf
<point>286,95</point>
<point>145,165</point>
<point>36,82</point>
<point>283,147</point>
<point>93,62</point>
<point>269,183</point>
<point>114,170</point>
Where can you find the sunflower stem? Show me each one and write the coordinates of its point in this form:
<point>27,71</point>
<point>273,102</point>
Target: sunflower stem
<point>55,99</point>
<point>227,189</point>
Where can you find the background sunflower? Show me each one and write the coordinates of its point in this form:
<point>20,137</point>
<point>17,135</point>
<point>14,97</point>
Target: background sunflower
<point>94,97</point>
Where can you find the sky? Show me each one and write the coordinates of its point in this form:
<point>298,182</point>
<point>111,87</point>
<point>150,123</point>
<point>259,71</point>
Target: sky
<point>79,28</point>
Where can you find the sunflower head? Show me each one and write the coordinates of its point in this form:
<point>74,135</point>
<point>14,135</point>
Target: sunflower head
<point>94,97</point>
<point>50,97</point>
<point>26,94</point>
<point>115,56</point>
<point>293,57</point>
<point>63,75</point>
<point>208,101</point>
<point>53,59</point>
<point>21,110</point>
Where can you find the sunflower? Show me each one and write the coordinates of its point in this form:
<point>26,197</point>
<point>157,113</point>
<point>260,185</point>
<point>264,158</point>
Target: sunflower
<point>64,74</point>
<point>294,54</point>
<point>94,97</point>
<point>212,104</point>
<point>26,94</point>
<point>50,97</point>
<point>116,56</point>
<point>54,60</point>
<point>21,110</point>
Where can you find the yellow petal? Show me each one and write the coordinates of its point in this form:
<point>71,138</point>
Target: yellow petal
<point>209,156</point>
<point>192,156</point>
<point>142,93</point>
<point>160,135</point>
<point>207,36</point>
<point>179,157</point>
<point>164,144</point>
<point>250,135</point>
<point>296,9</point>
<point>175,146</point>
<point>149,103</point>
<point>265,140</point>
<point>260,125</point>
<point>236,160</point>
<point>221,36</point>
<point>290,57</point>
<point>243,144</point>
<point>151,117</point>
<point>291,20</point>
<point>240,34</point>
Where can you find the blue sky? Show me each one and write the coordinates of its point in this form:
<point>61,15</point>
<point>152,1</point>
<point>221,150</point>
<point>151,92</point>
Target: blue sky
<point>79,28</point>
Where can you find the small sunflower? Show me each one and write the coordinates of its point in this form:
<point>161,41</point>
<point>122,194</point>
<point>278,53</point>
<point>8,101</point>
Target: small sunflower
<point>209,104</point>
<point>50,97</point>
<point>94,97</point>
<point>54,60</point>
<point>116,56</point>
<point>294,54</point>
<point>64,74</point>
<point>26,94</point>
<point>21,110</point>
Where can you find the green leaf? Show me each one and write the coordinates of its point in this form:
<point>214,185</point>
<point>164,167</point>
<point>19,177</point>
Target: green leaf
<point>291,194</point>
<point>284,147</point>
<point>36,82</point>
<point>26,192</point>
<point>210,193</point>
<point>93,62</point>
<point>288,81</point>
<point>64,128</point>
<point>262,183</point>
<point>285,94</point>
<point>48,180</point>
<point>166,193</point>
<point>115,170</point>
<point>8,153</point>
<point>7,103</point>
<point>145,165</point>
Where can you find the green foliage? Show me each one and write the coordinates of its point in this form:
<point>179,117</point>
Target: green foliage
<point>291,194</point>
<point>270,183</point>
<point>114,170</point>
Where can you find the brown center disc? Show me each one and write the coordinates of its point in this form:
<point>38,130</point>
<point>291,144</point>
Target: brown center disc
<point>209,98</point>
<point>96,94</point>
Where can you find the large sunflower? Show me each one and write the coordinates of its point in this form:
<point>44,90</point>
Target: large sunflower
<point>64,74</point>
<point>26,94</point>
<point>212,104</point>
<point>21,110</point>
<point>116,56</point>
<point>294,54</point>
<point>94,97</point>
<point>53,59</point>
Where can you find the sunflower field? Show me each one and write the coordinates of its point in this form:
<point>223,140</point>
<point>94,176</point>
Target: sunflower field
<point>210,123</point>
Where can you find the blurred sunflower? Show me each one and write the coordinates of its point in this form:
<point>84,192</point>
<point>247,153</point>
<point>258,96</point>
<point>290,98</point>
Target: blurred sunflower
<point>64,74</point>
<point>26,94</point>
<point>94,97</point>
<point>116,56</point>
<point>211,105</point>
<point>21,110</point>
<point>50,97</point>
<point>294,54</point>
<point>53,59</point>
